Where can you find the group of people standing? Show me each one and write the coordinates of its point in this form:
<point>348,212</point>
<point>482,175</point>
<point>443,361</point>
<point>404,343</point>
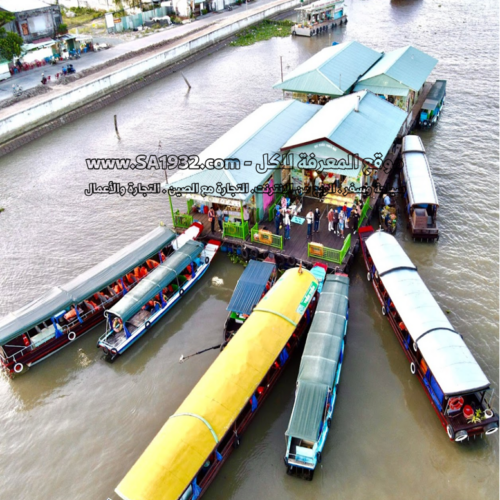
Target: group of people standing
<point>338,220</point>
<point>220,215</point>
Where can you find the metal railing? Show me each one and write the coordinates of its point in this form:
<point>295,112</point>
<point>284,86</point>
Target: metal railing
<point>235,230</point>
<point>329,254</point>
<point>271,209</point>
<point>183,220</point>
<point>266,237</point>
<point>364,211</point>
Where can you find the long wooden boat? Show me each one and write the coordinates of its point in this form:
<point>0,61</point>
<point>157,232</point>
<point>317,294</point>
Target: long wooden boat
<point>255,281</point>
<point>418,188</point>
<point>194,443</point>
<point>455,384</point>
<point>319,376</point>
<point>62,314</point>
<point>433,105</point>
<point>138,310</point>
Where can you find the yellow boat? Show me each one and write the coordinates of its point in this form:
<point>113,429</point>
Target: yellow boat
<point>193,444</point>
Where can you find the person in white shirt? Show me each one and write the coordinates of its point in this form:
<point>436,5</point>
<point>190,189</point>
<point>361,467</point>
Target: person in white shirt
<point>309,218</point>
<point>286,224</point>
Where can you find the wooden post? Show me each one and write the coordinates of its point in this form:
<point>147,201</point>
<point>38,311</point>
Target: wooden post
<point>116,129</point>
<point>171,209</point>
<point>185,79</point>
<point>242,218</point>
<point>281,65</point>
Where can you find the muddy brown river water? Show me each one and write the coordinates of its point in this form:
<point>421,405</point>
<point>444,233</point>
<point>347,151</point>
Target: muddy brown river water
<point>74,425</point>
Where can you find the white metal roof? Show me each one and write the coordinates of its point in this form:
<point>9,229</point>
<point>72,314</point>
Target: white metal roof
<point>386,255</point>
<point>320,4</point>
<point>443,349</point>
<point>417,172</point>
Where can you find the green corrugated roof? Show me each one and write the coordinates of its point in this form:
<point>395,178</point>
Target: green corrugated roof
<point>364,133</point>
<point>407,66</point>
<point>156,281</point>
<point>332,71</point>
<point>262,132</point>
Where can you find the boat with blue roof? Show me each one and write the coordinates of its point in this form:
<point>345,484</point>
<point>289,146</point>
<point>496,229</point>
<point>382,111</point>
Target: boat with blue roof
<point>256,280</point>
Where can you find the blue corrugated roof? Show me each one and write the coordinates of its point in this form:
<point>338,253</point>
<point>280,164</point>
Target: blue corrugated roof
<point>263,131</point>
<point>407,66</point>
<point>332,71</point>
<point>366,132</point>
<point>250,286</point>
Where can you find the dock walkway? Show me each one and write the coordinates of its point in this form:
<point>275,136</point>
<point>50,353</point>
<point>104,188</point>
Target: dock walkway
<point>295,249</point>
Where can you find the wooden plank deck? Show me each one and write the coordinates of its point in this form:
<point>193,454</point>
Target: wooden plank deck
<point>296,247</point>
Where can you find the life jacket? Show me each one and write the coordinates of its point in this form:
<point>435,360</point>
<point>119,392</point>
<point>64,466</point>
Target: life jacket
<point>162,257</point>
<point>143,271</point>
<point>137,273</point>
<point>131,278</point>
<point>152,263</point>
<point>90,305</point>
<point>70,314</point>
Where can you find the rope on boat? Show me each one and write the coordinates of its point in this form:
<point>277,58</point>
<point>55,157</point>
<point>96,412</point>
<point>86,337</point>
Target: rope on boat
<point>259,309</point>
<point>199,418</point>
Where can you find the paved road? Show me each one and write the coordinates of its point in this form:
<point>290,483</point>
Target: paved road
<point>32,78</point>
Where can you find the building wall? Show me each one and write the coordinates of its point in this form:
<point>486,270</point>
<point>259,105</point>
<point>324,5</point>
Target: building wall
<point>35,24</point>
<point>107,5</point>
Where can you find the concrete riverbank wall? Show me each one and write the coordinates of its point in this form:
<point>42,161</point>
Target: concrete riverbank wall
<point>32,118</point>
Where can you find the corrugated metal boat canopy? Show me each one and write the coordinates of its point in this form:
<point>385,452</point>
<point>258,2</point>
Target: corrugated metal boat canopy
<point>250,286</point>
<point>370,130</point>
<point>262,132</point>
<point>419,182</point>
<point>445,352</point>
<point>182,446</point>
<point>406,67</point>
<point>437,92</point>
<point>320,359</point>
<point>332,71</point>
<point>156,281</point>
<point>57,299</point>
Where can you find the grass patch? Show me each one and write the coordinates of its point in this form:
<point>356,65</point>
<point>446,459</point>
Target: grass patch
<point>82,16</point>
<point>265,30</point>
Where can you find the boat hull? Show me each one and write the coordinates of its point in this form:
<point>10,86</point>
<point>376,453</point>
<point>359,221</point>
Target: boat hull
<point>472,429</point>
<point>233,436</point>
